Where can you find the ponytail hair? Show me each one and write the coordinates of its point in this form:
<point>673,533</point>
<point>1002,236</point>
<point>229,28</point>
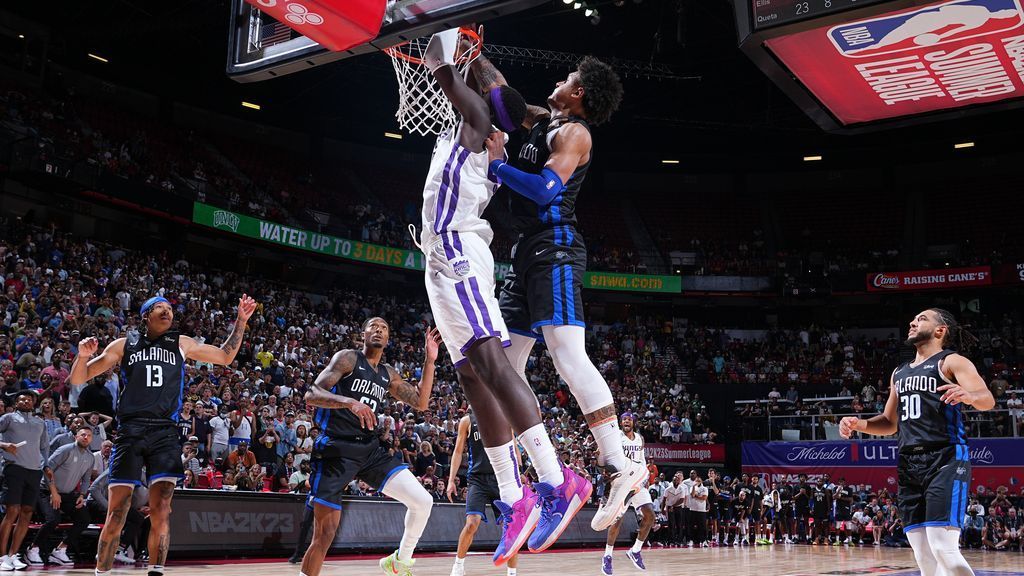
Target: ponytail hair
<point>956,338</point>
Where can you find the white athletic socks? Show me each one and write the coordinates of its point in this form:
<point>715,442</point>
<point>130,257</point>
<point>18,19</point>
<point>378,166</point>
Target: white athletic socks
<point>460,561</point>
<point>637,546</point>
<point>511,572</point>
<point>505,463</point>
<point>542,454</point>
<point>609,442</point>
<point>608,550</point>
<point>104,573</point>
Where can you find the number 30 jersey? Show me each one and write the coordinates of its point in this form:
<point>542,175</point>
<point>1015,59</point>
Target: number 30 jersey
<point>924,419</point>
<point>365,383</point>
<point>152,378</point>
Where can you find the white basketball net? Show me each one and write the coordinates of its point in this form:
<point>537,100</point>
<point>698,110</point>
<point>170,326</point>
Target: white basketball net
<point>422,106</point>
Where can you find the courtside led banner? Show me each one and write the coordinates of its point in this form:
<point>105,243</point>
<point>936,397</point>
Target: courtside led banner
<point>685,453</point>
<point>243,225</point>
<point>995,462</point>
<point>929,279</point>
<point>940,56</point>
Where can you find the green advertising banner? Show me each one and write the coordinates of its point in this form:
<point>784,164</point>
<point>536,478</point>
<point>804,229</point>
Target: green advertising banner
<point>309,241</point>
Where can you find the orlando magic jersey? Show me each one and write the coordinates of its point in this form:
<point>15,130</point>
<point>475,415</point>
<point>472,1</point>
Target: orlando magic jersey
<point>457,190</point>
<point>924,419</point>
<point>634,449</point>
<point>152,378</point>
<point>526,215</point>
<point>478,461</point>
<point>365,383</point>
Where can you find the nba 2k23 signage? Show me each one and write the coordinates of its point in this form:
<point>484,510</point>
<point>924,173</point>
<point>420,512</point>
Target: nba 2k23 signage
<point>309,241</point>
<point>995,461</point>
<point>940,56</point>
<point>929,279</point>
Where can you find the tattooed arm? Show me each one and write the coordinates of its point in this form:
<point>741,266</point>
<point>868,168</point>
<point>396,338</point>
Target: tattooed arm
<point>224,355</point>
<point>320,396</point>
<point>418,396</point>
<point>488,77</point>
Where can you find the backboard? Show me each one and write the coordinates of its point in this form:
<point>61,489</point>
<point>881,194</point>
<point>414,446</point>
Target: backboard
<point>260,48</point>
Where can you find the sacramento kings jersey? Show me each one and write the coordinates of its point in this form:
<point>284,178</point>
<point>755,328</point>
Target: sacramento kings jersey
<point>152,377</point>
<point>478,462</point>
<point>365,383</point>
<point>925,420</point>
<point>527,216</point>
<point>457,190</point>
<point>634,448</point>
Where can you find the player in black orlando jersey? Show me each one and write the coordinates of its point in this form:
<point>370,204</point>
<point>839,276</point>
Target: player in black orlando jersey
<point>349,395</point>
<point>149,400</point>
<point>542,294</point>
<point>924,410</point>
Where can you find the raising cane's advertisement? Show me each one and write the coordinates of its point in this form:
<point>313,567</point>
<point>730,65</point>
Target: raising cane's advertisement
<point>994,462</point>
<point>940,56</point>
<point>929,279</point>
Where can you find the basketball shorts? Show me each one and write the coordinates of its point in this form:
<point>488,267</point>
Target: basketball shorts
<point>933,486</point>
<point>725,514</point>
<point>545,283</point>
<point>20,485</point>
<point>481,494</point>
<point>459,277</point>
<point>335,463</point>
<point>755,513</point>
<point>641,498</point>
<point>785,514</point>
<point>152,444</point>
<point>769,515</point>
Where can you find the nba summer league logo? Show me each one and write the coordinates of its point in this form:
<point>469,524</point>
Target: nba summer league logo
<point>933,26</point>
<point>222,218</point>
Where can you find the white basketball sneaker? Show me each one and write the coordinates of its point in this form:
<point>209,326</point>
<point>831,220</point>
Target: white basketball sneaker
<point>624,484</point>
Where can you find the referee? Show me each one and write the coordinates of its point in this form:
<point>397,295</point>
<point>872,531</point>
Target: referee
<point>25,448</point>
<point>63,490</point>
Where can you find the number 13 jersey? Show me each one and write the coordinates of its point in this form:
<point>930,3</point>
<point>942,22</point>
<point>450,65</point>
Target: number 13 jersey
<point>924,419</point>
<point>152,378</point>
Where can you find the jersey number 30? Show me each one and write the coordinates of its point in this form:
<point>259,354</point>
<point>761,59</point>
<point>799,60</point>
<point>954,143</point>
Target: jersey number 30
<point>911,407</point>
<point>154,376</point>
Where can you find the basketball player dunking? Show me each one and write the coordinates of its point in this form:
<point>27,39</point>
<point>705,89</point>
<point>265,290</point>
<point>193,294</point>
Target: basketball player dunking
<point>152,379</point>
<point>459,278</point>
<point>633,446</point>
<point>924,410</point>
<point>482,492</point>
<point>541,297</point>
<point>349,397</point>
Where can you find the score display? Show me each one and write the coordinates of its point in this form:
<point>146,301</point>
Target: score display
<point>768,13</point>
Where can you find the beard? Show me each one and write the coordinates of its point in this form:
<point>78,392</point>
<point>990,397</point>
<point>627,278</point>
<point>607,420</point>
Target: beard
<point>921,336</point>
<point>372,344</point>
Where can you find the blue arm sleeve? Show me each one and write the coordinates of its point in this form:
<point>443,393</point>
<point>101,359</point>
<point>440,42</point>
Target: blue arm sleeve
<point>541,188</point>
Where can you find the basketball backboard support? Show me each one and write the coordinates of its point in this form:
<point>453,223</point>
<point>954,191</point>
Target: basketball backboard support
<point>260,48</point>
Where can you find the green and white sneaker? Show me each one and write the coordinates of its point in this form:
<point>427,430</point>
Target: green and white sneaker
<point>392,565</point>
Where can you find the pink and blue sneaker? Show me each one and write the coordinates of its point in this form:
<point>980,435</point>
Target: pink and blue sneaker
<point>517,523</point>
<point>558,507</point>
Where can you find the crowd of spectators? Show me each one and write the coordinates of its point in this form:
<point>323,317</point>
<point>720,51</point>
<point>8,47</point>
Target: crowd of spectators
<point>246,425</point>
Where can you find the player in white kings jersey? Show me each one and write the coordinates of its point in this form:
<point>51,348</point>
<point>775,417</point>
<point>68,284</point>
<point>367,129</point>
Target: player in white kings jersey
<point>459,277</point>
<point>633,446</point>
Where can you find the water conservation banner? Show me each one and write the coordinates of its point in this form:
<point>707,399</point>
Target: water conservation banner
<point>995,461</point>
<point>309,241</point>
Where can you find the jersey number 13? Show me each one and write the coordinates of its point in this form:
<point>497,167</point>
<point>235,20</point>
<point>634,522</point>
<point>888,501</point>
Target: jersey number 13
<point>155,377</point>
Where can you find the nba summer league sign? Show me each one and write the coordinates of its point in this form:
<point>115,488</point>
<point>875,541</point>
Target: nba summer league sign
<point>936,57</point>
<point>309,241</point>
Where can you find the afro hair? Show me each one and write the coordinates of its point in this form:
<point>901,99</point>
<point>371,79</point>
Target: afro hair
<point>602,90</point>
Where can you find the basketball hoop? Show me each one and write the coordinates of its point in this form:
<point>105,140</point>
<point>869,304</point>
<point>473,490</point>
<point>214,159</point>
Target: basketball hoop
<point>422,105</point>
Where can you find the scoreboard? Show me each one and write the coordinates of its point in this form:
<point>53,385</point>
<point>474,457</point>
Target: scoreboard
<point>859,65</point>
<point>769,13</point>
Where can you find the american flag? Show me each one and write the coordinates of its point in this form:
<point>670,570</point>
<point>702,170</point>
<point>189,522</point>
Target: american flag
<point>275,33</point>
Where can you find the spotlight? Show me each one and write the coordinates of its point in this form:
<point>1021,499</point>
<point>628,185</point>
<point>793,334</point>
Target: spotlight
<point>588,12</point>
<point>567,1</point>
<point>577,6</point>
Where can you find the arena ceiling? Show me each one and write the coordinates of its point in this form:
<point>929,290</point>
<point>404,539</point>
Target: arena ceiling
<point>731,117</point>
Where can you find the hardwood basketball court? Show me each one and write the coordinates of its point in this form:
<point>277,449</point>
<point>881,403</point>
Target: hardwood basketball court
<point>761,561</point>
